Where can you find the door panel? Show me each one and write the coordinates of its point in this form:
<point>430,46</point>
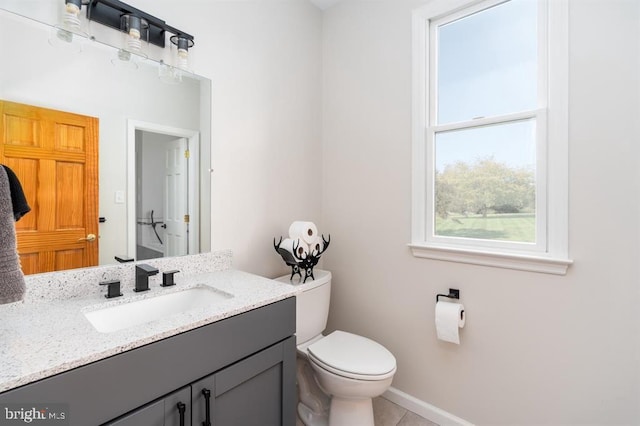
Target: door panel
<point>151,415</point>
<point>176,198</point>
<point>55,156</point>
<point>259,379</point>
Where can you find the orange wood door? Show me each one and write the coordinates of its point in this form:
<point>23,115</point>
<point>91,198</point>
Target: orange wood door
<point>55,156</point>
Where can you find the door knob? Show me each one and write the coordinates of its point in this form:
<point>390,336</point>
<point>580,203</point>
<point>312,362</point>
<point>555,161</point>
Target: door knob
<point>90,237</point>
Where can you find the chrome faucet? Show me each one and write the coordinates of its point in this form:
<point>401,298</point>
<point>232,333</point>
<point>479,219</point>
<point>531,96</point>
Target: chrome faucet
<point>143,272</point>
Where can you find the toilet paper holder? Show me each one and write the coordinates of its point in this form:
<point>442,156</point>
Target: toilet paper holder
<point>454,293</point>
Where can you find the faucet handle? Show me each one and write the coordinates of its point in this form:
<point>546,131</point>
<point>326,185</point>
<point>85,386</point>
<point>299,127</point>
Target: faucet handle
<point>167,278</point>
<point>113,288</point>
<point>146,269</point>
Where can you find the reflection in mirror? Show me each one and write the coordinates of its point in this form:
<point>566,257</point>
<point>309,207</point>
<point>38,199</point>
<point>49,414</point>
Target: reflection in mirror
<point>164,226</point>
<point>125,102</point>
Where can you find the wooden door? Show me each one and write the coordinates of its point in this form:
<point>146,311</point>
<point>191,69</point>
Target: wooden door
<point>55,156</point>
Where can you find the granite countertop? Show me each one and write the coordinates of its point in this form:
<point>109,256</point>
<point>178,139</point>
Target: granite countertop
<point>40,339</point>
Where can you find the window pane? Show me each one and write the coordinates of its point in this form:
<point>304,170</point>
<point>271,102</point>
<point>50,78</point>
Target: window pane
<point>485,182</point>
<point>487,63</point>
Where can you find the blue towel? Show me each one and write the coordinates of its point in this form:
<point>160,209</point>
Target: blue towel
<point>12,287</point>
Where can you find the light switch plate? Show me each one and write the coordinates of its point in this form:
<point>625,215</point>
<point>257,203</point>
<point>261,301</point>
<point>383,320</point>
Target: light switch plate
<point>119,197</point>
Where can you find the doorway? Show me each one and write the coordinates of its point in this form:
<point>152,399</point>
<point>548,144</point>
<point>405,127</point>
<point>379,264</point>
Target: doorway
<point>163,191</point>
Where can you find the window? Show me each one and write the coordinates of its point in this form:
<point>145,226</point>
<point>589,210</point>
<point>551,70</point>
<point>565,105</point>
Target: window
<point>490,133</point>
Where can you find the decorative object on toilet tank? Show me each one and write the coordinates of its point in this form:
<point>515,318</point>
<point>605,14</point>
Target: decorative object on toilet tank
<point>303,248</point>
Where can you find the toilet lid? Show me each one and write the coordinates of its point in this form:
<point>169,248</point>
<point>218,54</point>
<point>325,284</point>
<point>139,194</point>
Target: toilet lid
<point>353,354</point>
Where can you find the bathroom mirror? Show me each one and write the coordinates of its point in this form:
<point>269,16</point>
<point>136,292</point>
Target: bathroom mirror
<point>139,110</point>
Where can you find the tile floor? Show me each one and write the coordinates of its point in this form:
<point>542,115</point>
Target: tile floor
<point>386,413</point>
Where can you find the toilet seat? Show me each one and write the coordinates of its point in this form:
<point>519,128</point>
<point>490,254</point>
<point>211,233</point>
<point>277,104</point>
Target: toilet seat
<point>352,356</point>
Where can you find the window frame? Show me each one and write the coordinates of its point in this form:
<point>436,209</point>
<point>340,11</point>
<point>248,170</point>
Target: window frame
<point>550,252</point>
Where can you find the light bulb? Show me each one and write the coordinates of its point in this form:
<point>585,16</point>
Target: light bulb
<point>183,59</point>
<point>133,42</point>
<point>134,31</point>
<point>183,44</point>
<point>62,34</point>
<point>71,16</point>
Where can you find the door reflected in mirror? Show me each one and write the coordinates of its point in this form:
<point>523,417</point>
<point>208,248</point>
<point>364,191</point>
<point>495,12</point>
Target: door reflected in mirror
<point>54,154</point>
<point>164,159</point>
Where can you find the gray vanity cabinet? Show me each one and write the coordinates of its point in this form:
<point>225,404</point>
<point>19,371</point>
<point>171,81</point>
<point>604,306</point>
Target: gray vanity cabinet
<point>164,412</point>
<point>246,393</point>
<point>247,361</point>
<point>251,392</point>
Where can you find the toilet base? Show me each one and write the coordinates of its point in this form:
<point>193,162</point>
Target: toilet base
<point>349,412</point>
<point>309,417</point>
<point>313,403</point>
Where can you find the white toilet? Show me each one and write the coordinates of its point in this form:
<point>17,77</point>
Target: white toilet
<point>349,369</point>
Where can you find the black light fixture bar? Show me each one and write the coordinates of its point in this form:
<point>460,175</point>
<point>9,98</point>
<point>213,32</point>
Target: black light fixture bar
<point>110,12</point>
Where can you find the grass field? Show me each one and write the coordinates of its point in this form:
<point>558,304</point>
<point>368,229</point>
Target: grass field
<point>504,227</point>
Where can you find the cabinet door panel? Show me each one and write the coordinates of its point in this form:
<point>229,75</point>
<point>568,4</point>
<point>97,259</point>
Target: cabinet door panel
<point>151,415</point>
<point>255,402</point>
<point>261,380</point>
<point>246,369</point>
<point>163,412</point>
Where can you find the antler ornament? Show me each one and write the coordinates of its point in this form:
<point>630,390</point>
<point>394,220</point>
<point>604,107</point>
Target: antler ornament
<point>304,261</point>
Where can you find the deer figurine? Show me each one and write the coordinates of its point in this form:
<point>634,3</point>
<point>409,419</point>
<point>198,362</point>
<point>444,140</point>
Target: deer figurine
<point>307,261</point>
<point>288,258</point>
<point>304,261</point>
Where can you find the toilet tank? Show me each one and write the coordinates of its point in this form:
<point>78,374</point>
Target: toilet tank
<point>312,305</point>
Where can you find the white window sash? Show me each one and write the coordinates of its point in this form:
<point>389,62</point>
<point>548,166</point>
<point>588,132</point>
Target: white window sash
<point>540,244</point>
<point>552,155</point>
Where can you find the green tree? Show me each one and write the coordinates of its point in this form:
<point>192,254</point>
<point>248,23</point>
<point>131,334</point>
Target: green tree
<point>484,186</point>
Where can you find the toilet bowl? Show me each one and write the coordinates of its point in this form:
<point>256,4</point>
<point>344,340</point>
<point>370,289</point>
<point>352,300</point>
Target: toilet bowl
<point>338,374</point>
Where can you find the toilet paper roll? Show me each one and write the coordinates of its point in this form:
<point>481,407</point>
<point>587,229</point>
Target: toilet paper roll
<point>450,319</point>
<point>307,231</point>
<point>289,243</point>
<point>315,245</point>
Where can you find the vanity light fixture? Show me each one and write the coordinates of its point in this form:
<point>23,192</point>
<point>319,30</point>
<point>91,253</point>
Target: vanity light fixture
<point>139,25</point>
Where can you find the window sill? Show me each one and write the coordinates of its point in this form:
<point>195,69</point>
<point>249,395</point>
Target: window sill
<point>520,262</point>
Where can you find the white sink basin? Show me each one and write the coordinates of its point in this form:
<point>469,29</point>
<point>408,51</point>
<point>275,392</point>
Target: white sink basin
<point>119,317</point>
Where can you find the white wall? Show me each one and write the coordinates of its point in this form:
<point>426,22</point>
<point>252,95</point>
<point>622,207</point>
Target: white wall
<point>264,60</point>
<point>537,349</point>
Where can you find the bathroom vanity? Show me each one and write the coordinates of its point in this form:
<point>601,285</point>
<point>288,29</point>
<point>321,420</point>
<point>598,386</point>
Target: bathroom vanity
<point>234,360</point>
<point>248,357</point>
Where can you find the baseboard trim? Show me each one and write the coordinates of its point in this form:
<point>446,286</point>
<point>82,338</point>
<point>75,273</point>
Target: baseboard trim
<point>424,409</point>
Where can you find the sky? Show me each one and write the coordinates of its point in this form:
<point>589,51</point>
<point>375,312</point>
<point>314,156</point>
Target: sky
<point>489,73</point>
